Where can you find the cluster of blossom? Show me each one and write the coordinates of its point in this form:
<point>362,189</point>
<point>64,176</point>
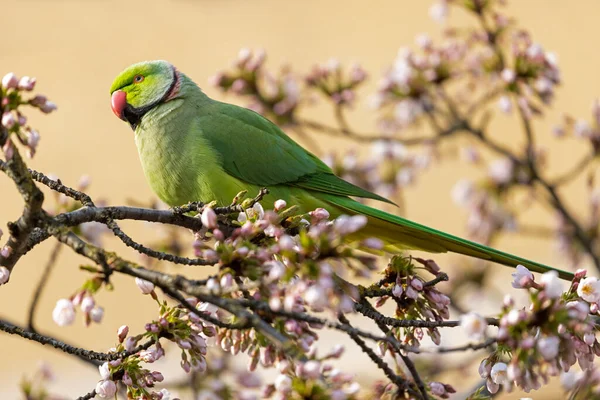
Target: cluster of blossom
<point>582,128</point>
<point>551,335</point>
<point>389,168</point>
<point>312,378</point>
<point>330,80</point>
<point>177,324</point>
<point>277,97</point>
<point>407,90</point>
<point>488,214</point>
<point>288,272</point>
<point>414,299</point>
<point>581,385</point>
<point>64,311</point>
<point>12,90</point>
<point>224,380</point>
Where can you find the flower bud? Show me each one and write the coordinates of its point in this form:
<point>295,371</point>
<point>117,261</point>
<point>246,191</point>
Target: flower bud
<point>64,312</point>
<point>106,389</point>
<point>280,205</point>
<point>8,120</point>
<point>26,83</point>
<point>10,81</point>
<point>145,286</point>
<point>209,218</point>
<point>4,275</point>
<point>122,333</point>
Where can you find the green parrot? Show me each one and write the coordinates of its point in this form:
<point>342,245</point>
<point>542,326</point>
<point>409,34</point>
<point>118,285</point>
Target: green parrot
<point>194,148</point>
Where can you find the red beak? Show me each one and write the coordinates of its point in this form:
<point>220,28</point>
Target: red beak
<point>118,102</point>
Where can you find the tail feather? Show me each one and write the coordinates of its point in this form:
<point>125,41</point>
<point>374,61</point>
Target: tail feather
<point>405,234</point>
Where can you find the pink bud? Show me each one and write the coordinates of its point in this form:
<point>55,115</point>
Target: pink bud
<point>319,214</point>
<point>96,314</point>
<point>38,100</point>
<point>145,286</point>
<point>227,281</point>
<point>312,369</point>
<point>10,81</point>
<point>106,389</point>
<point>417,284</point>
<point>580,273</point>
<point>4,275</point>
<point>286,243</point>
<point>8,120</point>
<point>157,376</point>
<point>209,218</point>
<point>26,83</point>
<point>126,379</point>
<point>122,333</point>
<point>48,107</point>
<point>104,371</point>
<point>64,312</point>
<point>397,291</point>
<point>280,205</point>
<point>87,304</point>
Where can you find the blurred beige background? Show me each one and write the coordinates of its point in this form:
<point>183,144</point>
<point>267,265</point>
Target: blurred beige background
<point>75,49</point>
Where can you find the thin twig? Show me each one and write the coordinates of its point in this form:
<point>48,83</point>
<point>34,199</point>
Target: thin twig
<point>67,348</point>
<point>41,285</point>
<point>397,379</point>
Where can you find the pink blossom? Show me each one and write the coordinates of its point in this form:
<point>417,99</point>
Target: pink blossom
<point>315,297</point>
<point>508,75</point>
<point>280,205</point>
<point>589,289</point>
<point>283,383</point>
<point>64,312</point>
<point>104,371</point>
<point>346,225</point>
<point>122,333</point>
<point>126,379</point>
<point>145,286</point>
<point>485,368</point>
<point>522,277</point>
<point>48,107</point>
<point>87,304</point>
<point>106,389</point>
<point>312,369</point>
<point>209,218</point>
<point>548,347</point>
<point>319,214</point>
<point>499,374</point>
<point>8,120</point>
<point>4,275</point>
<point>439,11</point>
<point>10,81</point>
<point>96,314</point>
<point>474,325</point>
<point>26,83</point>
<point>553,286</point>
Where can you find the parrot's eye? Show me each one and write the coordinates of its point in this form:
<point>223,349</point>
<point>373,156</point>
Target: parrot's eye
<point>138,78</point>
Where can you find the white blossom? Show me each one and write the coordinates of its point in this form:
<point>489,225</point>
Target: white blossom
<point>474,325</point>
<point>64,312</point>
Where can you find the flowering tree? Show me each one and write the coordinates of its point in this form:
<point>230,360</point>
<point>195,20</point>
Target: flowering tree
<point>279,277</point>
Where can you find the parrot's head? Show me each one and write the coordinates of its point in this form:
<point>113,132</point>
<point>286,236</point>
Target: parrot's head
<point>141,87</point>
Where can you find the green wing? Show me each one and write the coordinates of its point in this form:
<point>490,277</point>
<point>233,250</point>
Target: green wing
<point>258,152</point>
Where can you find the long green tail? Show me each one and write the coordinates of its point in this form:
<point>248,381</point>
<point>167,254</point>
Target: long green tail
<point>406,234</point>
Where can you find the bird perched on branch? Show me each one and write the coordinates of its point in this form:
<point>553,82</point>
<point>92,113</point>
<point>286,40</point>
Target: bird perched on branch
<point>194,148</point>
